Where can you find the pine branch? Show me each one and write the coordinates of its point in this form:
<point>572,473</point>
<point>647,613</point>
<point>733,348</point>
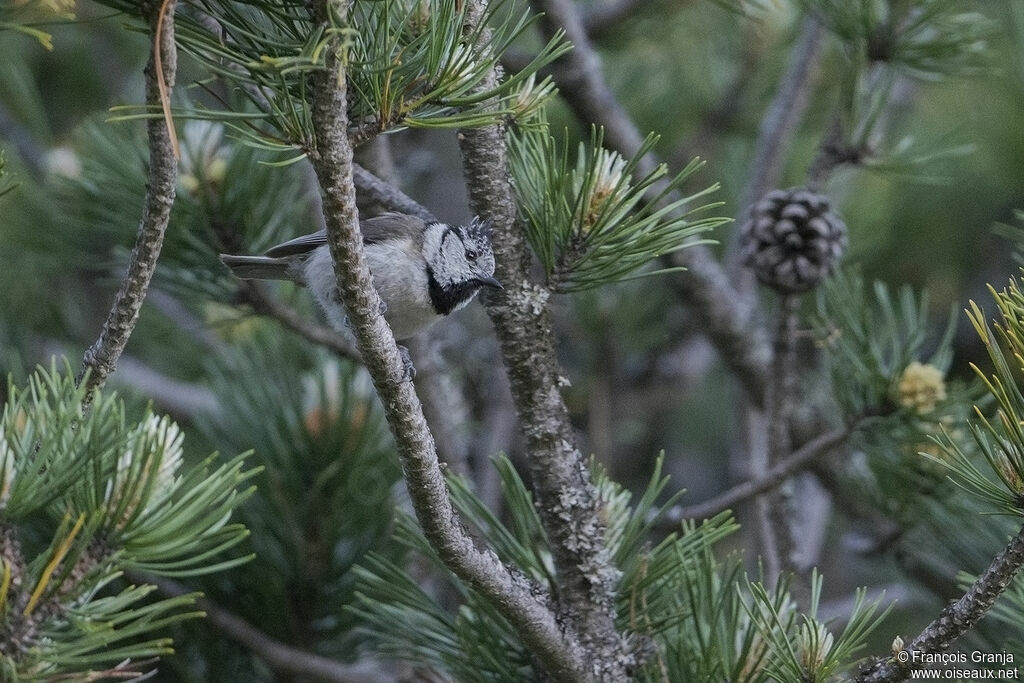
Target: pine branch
<point>388,195</point>
<point>101,358</point>
<point>955,620</point>
<point>567,500</point>
<point>606,17</point>
<point>520,601</point>
<point>800,459</point>
<point>780,405</point>
<point>778,128</point>
<point>705,287</point>
<point>444,405</point>
<point>281,657</point>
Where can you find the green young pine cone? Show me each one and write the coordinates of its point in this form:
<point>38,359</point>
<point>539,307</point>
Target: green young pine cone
<point>792,239</point>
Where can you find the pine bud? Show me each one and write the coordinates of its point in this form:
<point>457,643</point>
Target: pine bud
<point>792,239</point>
<point>920,388</point>
<point>606,185</point>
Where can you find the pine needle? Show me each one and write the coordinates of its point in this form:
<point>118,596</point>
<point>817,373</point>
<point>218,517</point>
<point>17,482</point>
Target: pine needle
<point>161,82</point>
<point>62,550</point>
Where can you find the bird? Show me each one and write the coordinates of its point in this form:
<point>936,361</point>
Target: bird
<point>422,270</point>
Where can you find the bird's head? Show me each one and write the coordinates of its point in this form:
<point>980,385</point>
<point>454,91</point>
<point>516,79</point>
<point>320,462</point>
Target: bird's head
<point>460,257</point>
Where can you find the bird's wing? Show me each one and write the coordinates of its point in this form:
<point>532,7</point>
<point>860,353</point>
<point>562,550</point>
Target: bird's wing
<point>387,226</point>
<point>299,245</point>
<point>392,226</point>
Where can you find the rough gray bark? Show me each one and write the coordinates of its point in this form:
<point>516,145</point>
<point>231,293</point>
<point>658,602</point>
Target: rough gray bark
<point>568,505</point>
<point>956,619</point>
<point>101,358</point>
<point>443,404</point>
<point>523,603</point>
<point>775,504</point>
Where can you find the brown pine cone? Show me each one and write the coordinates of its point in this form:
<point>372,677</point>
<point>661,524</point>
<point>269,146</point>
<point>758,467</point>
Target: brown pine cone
<point>793,239</point>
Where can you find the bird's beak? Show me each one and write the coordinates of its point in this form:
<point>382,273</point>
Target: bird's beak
<point>489,282</point>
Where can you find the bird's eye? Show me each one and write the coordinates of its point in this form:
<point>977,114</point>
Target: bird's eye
<point>472,254</point>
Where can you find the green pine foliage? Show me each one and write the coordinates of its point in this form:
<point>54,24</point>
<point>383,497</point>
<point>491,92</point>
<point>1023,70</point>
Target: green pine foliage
<point>887,374</point>
<point>591,222</point>
<point>326,492</point>
<point>871,336</point>
<point>928,39</point>
<point>27,17</point>
<point>999,437</point>
<point>698,618</point>
<point>86,495</point>
<point>6,185</point>
<point>229,200</point>
<point>801,647</point>
<point>410,63</point>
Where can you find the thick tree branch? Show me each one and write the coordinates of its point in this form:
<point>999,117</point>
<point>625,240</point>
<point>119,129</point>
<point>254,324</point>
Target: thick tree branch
<point>727,321</point>
<point>520,601</point>
<point>444,404</point>
<point>101,358</point>
<point>567,502</point>
<point>956,619</point>
<point>281,657</point>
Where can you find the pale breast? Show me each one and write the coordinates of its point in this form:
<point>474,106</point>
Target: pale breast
<point>400,280</point>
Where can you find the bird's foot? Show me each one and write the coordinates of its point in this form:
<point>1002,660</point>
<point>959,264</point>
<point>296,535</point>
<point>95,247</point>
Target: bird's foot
<point>407,366</point>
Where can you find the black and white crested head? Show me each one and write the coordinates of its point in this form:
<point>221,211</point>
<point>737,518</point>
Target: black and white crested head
<point>460,261</point>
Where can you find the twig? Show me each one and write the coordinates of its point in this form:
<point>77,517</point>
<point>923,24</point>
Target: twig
<point>831,154</point>
<point>953,621</point>
<point>101,358</point>
<point>778,473</point>
<point>519,600</point>
<point>281,657</point>
<point>567,502</point>
<point>267,305</point>
<point>606,16</point>
<point>388,195</point>
<point>780,411</point>
<point>377,158</point>
<point>705,287</point>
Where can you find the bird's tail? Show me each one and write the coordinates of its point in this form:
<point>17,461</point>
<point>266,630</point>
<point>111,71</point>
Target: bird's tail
<point>258,267</point>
